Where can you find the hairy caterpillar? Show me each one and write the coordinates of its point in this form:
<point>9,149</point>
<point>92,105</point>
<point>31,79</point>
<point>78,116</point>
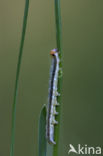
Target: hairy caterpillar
<point>52,100</point>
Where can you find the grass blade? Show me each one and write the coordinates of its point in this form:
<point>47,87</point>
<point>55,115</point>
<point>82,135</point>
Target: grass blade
<point>17,78</point>
<point>59,88</point>
<point>42,132</point>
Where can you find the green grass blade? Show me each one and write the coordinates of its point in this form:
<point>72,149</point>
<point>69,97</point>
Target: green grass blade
<point>17,78</point>
<point>59,88</point>
<point>58,25</point>
<point>42,132</point>
<point>52,150</point>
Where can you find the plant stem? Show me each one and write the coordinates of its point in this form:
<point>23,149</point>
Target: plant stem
<point>58,25</point>
<point>59,47</point>
<point>17,78</point>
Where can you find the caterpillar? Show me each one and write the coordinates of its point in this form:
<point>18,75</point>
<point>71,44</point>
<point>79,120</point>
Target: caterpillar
<point>52,98</point>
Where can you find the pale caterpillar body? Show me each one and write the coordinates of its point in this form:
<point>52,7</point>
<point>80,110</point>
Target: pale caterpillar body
<point>52,99</point>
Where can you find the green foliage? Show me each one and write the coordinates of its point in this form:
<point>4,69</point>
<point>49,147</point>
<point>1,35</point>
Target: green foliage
<point>43,148</point>
<point>17,78</point>
<point>42,134</point>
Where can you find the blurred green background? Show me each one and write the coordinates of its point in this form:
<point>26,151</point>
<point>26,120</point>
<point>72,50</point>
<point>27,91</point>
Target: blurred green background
<point>82,102</point>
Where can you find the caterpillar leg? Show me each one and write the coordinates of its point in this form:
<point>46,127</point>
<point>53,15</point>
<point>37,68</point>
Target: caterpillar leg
<point>57,94</point>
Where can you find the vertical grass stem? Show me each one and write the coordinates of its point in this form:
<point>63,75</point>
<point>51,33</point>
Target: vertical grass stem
<point>59,47</point>
<point>17,78</point>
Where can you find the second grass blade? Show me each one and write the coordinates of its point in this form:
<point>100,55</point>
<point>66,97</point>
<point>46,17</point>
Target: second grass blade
<point>42,132</point>
<point>17,78</point>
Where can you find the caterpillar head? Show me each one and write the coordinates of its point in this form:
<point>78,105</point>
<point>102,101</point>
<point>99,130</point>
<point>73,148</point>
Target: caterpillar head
<point>54,52</point>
